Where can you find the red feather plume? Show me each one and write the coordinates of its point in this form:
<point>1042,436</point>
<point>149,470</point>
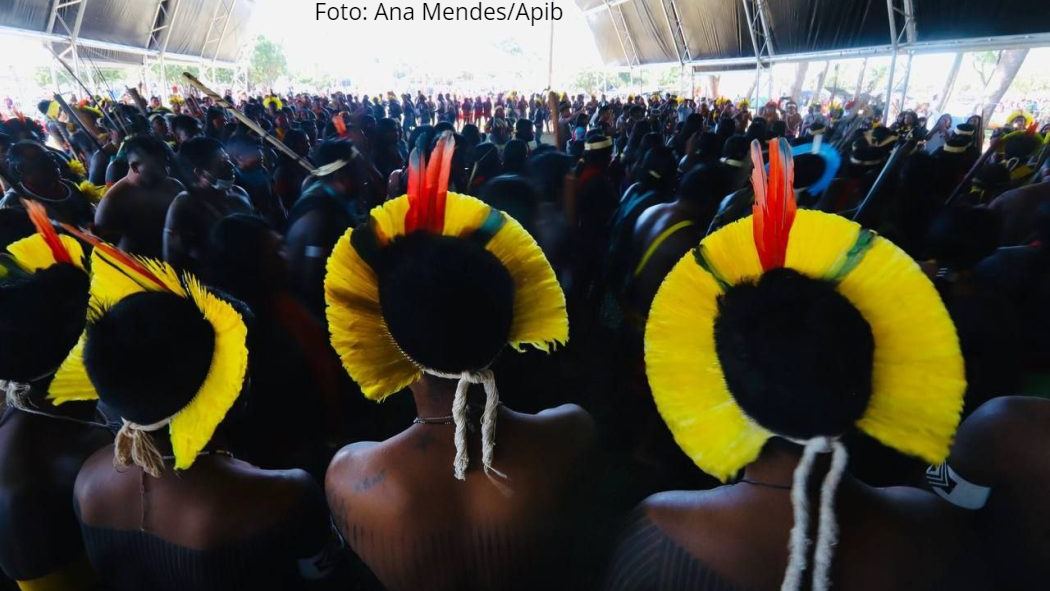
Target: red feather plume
<point>340,124</point>
<point>122,258</point>
<point>774,209</point>
<point>44,227</point>
<point>428,189</point>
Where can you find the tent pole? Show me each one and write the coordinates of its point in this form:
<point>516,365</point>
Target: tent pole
<point>893,61</point>
<point>907,79</point>
<point>754,44</point>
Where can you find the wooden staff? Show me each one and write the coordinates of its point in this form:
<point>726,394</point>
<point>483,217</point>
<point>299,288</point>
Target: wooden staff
<point>76,120</point>
<point>893,164</point>
<point>973,170</point>
<point>247,121</point>
<point>87,91</point>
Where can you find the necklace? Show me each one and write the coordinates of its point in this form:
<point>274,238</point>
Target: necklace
<point>764,484</point>
<point>207,452</point>
<point>445,420</point>
<point>433,420</point>
<point>42,198</point>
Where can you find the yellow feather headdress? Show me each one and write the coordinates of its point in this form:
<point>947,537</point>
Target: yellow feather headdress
<point>360,333</point>
<point>358,330</point>
<point>918,374</point>
<point>918,378</point>
<point>116,275</point>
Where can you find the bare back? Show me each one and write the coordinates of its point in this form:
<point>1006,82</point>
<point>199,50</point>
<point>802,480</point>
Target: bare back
<point>417,527</point>
<point>133,216</point>
<point>736,537</point>
<point>223,520</point>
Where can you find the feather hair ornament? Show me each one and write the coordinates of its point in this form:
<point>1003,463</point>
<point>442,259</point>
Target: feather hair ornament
<point>428,190</point>
<point>774,208</point>
<point>339,124</point>
<point>134,268</point>
<point>44,227</point>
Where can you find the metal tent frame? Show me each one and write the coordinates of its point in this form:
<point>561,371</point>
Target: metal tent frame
<point>903,40</point>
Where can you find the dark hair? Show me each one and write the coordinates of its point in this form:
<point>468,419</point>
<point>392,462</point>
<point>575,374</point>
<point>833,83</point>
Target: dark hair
<point>447,301</point>
<point>185,123</point>
<point>23,153</point>
<point>146,145</point>
<point>736,147</point>
<point>960,236</point>
<point>330,151</point>
<point>148,355</point>
<point>796,354</point>
<point>14,226</point>
<point>41,318</point>
<point>198,152</point>
<point>514,155</point>
<point>243,143</point>
<point>513,194</point>
<point>658,169</point>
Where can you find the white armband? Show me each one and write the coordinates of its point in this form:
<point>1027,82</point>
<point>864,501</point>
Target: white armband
<point>955,489</point>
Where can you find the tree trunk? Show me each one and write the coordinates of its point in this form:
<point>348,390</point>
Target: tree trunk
<point>820,83</point>
<point>860,80</point>
<point>800,79</point>
<point>1009,63</point>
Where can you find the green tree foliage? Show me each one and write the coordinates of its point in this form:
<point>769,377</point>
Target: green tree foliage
<point>267,63</point>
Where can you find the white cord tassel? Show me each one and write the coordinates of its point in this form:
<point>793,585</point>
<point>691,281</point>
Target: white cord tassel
<point>827,527</point>
<point>487,379</point>
<point>828,530</point>
<point>16,394</point>
<point>459,418</point>
<point>799,543</point>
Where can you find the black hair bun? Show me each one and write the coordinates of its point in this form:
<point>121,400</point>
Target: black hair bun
<point>796,354</point>
<point>41,318</point>
<point>148,355</point>
<point>447,301</point>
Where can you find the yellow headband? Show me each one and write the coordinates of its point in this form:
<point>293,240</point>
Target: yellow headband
<point>115,276</point>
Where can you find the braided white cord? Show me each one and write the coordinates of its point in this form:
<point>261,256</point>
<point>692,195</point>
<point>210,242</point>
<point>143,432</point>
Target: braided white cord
<point>459,417</point>
<point>798,545</point>
<point>828,530</point>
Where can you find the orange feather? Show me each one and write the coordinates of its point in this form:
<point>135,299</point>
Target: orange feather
<point>774,209</point>
<point>124,260</point>
<point>44,227</point>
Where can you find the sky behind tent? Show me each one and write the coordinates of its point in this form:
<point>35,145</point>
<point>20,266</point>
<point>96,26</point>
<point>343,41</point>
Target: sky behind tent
<point>370,51</point>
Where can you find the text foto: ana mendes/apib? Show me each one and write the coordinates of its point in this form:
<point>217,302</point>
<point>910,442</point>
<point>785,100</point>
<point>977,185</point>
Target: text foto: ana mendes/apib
<point>438,11</point>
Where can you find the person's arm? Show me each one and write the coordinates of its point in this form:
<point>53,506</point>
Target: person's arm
<point>107,217</point>
<point>310,240</point>
<point>176,241</point>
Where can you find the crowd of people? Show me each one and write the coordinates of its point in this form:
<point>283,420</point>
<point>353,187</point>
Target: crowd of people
<point>624,343</point>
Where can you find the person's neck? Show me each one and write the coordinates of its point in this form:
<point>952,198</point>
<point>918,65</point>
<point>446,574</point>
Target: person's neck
<point>433,396</point>
<point>777,462</point>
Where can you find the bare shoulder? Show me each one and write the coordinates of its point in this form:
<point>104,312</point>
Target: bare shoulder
<point>349,462</point>
<point>174,185</point>
<point>571,419</point>
<point>1000,429</point>
<point>674,505</point>
<point>95,481</point>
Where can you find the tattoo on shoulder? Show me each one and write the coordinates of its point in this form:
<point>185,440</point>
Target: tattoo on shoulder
<point>369,482</point>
